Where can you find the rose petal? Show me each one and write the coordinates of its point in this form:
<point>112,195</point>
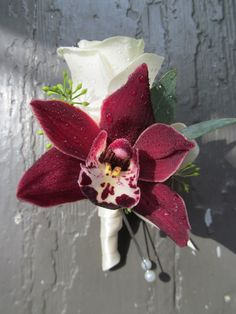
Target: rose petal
<point>52,180</point>
<point>91,68</point>
<point>153,63</point>
<point>71,130</point>
<point>118,51</point>
<point>165,209</point>
<point>161,151</point>
<point>193,153</point>
<point>87,44</point>
<point>108,190</point>
<point>128,111</point>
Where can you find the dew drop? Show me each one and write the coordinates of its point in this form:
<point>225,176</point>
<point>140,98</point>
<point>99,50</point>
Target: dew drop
<point>141,78</point>
<point>75,137</point>
<point>109,117</point>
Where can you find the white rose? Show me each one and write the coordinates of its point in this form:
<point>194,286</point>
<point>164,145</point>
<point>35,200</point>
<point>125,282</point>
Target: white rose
<point>104,66</point>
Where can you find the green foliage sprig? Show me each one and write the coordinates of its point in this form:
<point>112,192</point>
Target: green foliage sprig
<point>128,211</point>
<point>180,179</point>
<point>190,170</point>
<point>65,91</point>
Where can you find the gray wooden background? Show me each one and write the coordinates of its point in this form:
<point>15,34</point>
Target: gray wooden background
<point>50,258</point>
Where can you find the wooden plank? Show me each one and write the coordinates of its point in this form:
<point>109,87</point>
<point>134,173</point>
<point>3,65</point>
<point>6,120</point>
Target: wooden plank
<point>50,258</point>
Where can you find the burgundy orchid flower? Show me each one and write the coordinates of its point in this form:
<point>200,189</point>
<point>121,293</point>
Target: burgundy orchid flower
<point>120,163</point>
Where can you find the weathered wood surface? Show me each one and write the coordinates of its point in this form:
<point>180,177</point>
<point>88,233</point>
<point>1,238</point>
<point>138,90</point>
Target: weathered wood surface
<point>50,259</point>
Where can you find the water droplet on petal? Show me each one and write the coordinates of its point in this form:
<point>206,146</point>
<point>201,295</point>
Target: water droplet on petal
<point>109,117</point>
<point>141,78</point>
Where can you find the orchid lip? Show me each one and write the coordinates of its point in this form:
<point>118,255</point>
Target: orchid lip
<point>117,155</point>
<point>110,175</point>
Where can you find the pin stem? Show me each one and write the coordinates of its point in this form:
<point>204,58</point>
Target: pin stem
<point>132,235</point>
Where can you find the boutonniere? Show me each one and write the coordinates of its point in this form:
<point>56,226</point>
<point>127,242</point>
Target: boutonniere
<point>114,143</point>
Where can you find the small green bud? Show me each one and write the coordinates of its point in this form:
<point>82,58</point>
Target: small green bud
<point>84,91</point>
<point>60,88</point>
<point>40,132</point>
<point>85,103</point>
<point>45,88</point>
<point>128,211</point>
<point>78,87</point>
<point>48,146</point>
<point>50,93</point>
<point>186,187</point>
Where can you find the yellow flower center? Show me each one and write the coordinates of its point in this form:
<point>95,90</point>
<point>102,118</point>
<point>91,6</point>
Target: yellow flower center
<point>112,172</point>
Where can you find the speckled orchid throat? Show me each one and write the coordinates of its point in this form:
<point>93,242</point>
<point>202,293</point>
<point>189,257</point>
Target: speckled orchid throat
<point>110,174</point>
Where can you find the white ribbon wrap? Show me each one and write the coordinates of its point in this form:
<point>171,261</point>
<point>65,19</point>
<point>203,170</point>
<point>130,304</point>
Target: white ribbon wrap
<point>111,223</point>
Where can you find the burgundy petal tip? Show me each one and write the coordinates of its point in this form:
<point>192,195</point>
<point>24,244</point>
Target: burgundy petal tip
<point>19,194</point>
<point>189,144</point>
<point>142,68</point>
<point>24,195</point>
<point>52,180</point>
<point>165,209</point>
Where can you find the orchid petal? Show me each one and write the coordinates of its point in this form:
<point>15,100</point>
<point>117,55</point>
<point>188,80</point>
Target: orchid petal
<point>153,62</point>
<point>71,130</point>
<point>52,180</point>
<point>108,189</point>
<point>98,147</point>
<point>162,150</point>
<point>165,209</point>
<point>193,153</point>
<point>128,111</point>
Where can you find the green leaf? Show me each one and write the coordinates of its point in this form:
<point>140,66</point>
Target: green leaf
<point>202,128</point>
<point>163,97</point>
